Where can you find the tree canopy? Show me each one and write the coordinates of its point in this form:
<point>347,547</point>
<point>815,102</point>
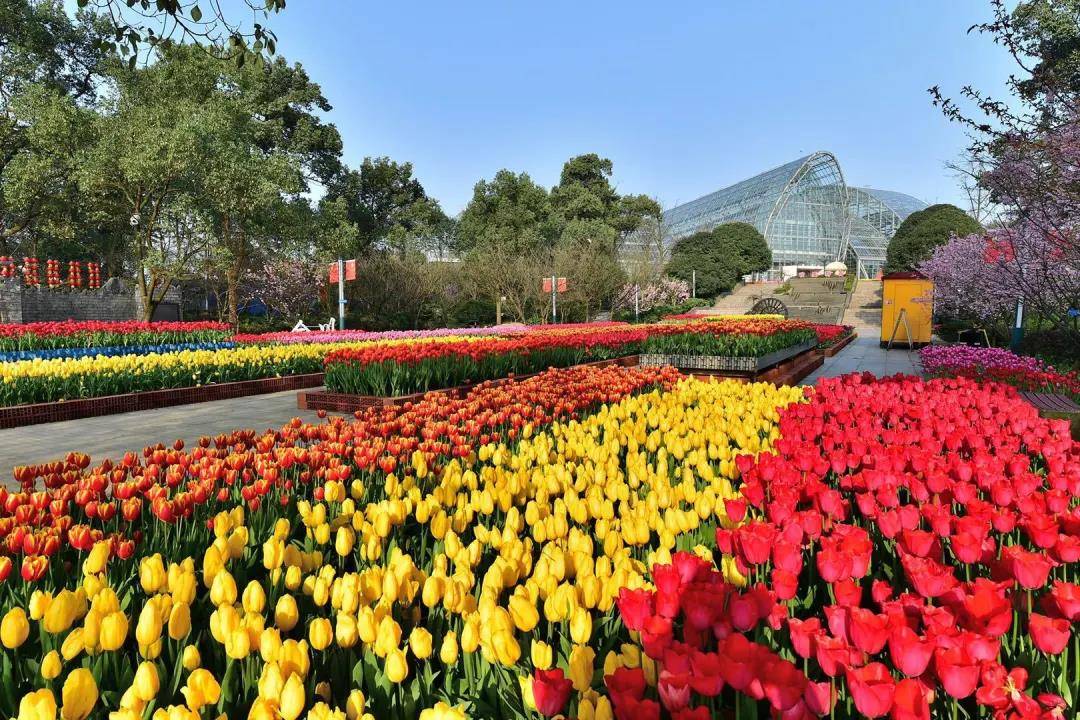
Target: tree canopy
<point>924,230</point>
<point>719,257</point>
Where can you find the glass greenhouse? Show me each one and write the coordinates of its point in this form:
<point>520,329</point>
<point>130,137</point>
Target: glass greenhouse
<point>806,212</point>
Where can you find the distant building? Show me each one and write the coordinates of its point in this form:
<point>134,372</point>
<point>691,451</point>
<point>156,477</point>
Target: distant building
<point>807,213</point>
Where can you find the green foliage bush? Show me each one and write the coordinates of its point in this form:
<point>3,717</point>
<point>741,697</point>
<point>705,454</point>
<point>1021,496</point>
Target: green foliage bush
<point>720,257</point>
<point>923,231</point>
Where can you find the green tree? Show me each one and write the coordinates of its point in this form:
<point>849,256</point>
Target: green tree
<point>511,212</point>
<point>388,206</point>
<point>924,230</point>
<point>585,194</point>
<point>153,144</point>
<point>49,65</point>
<point>719,257</point>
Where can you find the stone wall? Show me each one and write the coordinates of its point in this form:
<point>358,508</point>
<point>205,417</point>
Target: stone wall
<point>116,300</point>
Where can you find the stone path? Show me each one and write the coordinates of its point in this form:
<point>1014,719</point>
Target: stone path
<point>865,354</point>
<point>113,435</point>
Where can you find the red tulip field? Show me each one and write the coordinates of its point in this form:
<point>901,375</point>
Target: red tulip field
<point>585,543</point>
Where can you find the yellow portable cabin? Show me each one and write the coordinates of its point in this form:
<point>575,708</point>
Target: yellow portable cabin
<point>907,306</point>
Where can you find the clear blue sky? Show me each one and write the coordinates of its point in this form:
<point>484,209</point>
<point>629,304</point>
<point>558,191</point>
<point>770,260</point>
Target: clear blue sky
<point>684,97</point>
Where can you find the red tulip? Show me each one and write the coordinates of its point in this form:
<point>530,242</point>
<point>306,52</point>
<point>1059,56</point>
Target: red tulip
<point>869,631</point>
<point>872,689</point>
<point>911,701</point>
<point>1050,635</point>
<point>551,691</point>
<point>957,670</point>
<point>635,606</point>
<point>910,653</point>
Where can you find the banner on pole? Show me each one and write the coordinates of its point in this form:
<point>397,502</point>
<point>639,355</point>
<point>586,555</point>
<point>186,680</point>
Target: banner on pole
<point>560,285</point>
<point>350,271</point>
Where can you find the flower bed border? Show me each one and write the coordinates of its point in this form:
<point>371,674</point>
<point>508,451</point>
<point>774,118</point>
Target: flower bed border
<point>37,413</point>
<point>835,348</point>
<point>345,403</point>
<point>788,372</point>
<point>719,363</point>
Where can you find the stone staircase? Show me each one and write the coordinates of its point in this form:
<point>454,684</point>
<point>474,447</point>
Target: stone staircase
<point>740,300</point>
<point>819,300</point>
<point>864,310</point>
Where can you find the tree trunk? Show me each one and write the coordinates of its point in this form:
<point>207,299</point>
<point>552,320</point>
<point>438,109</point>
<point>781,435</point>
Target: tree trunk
<point>232,280</point>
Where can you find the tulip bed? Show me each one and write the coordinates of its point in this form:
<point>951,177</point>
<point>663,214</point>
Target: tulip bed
<point>998,365</point>
<point>593,542</point>
<point>829,335</point>
<point>109,351</point>
<point>389,371</point>
<point>57,379</point>
<point>93,333</point>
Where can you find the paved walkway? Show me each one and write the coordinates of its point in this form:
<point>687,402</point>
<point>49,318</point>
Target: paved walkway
<point>111,436</point>
<point>865,354</point>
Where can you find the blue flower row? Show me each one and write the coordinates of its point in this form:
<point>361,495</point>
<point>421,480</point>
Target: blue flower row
<point>51,353</point>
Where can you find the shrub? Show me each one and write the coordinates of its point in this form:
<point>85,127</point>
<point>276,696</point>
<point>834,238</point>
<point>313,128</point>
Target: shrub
<point>923,231</point>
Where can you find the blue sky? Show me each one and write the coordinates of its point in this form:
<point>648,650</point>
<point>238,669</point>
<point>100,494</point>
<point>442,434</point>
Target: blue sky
<point>684,97</point>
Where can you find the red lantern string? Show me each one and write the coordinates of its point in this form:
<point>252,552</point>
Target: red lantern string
<point>93,275</point>
<point>74,274</point>
<point>52,273</point>
<point>31,276</point>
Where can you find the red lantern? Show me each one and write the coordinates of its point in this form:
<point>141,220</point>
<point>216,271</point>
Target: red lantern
<point>52,273</point>
<point>7,267</point>
<point>31,276</point>
<point>93,275</point>
<point>74,273</point>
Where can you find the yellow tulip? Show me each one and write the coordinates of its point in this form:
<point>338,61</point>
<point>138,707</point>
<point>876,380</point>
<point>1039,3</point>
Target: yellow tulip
<point>148,629</point>
<point>541,655</point>
<point>202,689</point>
<point>39,603</point>
<point>73,644</point>
<point>62,612</point>
<point>152,573</point>
<point>320,633</point>
<point>51,665</point>
<point>581,662</point>
<point>113,632</point>
<point>191,658</point>
<point>345,631</point>
<point>14,628</point>
<point>581,626</point>
<point>448,651</point>
<point>146,682</point>
<point>238,644</point>
<point>292,700</point>
<point>286,614</point>
<point>179,621</point>
<point>420,643</point>
<point>443,711</point>
<point>223,588</point>
<point>524,613</point>
<point>396,667</point>
<point>79,695</point>
<point>354,705</point>
<point>38,705</point>
<point>97,559</point>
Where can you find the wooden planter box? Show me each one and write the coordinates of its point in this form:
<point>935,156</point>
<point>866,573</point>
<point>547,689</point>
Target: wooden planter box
<point>345,403</point>
<point>20,415</point>
<point>717,363</point>
<point>789,372</point>
<point>834,350</point>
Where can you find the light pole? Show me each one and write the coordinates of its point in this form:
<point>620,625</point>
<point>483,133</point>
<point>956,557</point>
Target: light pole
<point>341,293</point>
<point>1018,327</point>
<point>693,284</point>
<point>637,302</point>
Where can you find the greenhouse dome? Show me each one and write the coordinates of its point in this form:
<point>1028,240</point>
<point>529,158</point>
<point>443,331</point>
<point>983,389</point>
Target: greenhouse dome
<point>807,213</point>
